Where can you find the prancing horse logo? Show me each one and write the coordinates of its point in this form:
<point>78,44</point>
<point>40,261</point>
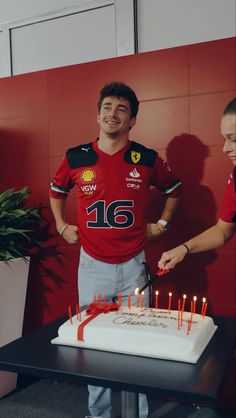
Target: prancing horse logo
<point>135,156</point>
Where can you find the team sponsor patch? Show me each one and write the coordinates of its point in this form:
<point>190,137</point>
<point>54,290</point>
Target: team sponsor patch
<point>134,173</point>
<point>88,175</point>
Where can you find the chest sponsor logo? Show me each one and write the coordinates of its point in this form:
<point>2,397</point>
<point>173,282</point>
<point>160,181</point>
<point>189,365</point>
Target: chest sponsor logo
<point>133,181</point>
<point>135,156</point>
<point>88,189</point>
<point>133,186</point>
<point>87,177</point>
<point>135,174</point>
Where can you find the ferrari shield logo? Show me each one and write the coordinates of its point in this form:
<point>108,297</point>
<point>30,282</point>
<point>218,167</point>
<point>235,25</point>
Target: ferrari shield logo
<point>135,156</point>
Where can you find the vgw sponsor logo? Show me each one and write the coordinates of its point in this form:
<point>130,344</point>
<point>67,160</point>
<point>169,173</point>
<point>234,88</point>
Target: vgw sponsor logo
<point>88,189</point>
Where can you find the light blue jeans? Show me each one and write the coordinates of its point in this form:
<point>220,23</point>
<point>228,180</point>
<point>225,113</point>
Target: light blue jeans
<point>95,277</point>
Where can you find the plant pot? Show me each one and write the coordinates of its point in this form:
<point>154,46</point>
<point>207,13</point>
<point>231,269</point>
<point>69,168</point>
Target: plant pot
<point>13,287</point>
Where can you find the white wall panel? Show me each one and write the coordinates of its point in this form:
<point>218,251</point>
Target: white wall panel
<point>64,41</point>
<point>170,23</point>
<point>5,62</point>
<point>15,10</point>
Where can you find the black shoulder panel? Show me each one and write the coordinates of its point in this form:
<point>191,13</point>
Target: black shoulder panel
<point>81,156</point>
<point>140,155</point>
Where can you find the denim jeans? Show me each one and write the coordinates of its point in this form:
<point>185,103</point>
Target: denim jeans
<point>95,277</point>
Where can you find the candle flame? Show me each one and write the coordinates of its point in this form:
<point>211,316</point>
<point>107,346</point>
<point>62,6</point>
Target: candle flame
<point>136,292</point>
<point>184,296</point>
<point>195,298</point>
<point>204,300</point>
<point>156,292</point>
<point>143,292</point>
<point>170,294</point>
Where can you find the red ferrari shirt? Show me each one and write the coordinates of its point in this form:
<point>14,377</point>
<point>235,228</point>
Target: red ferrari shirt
<point>113,194</point>
<point>228,209</point>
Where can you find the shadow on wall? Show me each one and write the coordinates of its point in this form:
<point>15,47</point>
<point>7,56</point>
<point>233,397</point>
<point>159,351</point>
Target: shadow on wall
<point>43,278</point>
<point>186,155</point>
<point>15,170</point>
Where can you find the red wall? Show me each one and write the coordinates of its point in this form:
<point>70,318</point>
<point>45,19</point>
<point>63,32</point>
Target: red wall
<point>183,92</point>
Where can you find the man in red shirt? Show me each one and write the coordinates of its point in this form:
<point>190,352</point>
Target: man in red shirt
<point>113,176</point>
<point>224,229</point>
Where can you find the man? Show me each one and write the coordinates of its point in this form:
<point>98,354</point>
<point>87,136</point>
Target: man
<point>224,229</point>
<point>113,176</point>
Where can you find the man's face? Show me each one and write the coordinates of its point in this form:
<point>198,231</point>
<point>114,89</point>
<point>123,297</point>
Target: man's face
<point>228,130</point>
<point>115,118</point>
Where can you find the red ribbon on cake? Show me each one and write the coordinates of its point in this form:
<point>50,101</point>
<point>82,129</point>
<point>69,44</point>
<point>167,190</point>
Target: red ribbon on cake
<point>93,310</point>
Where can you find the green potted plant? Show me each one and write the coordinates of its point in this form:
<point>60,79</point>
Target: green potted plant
<point>18,226</point>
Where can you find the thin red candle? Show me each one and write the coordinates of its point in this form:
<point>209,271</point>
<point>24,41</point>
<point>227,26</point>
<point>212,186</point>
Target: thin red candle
<point>78,311</point>
<point>205,308</point>
<point>183,302</point>
<point>129,301</point>
<point>136,292</point>
<point>191,309</point>
<point>120,298</point>
<point>70,314</point>
<point>203,305</point>
<point>179,314</point>
<point>169,302</point>
<point>142,300</point>
<point>99,298</point>
<point>156,299</point>
<point>189,326</point>
<point>194,304</point>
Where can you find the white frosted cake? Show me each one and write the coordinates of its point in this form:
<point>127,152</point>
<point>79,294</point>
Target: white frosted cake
<point>144,332</point>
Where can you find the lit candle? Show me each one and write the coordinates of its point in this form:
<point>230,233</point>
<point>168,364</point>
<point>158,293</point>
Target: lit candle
<point>183,302</point>
<point>203,305</point>
<point>205,308</point>
<point>136,292</point>
<point>129,301</point>
<point>70,314</point>
<point>194,304</point>
<point>99,298</point>
<point>191,309</point>
<point>169,303</point>
<point>156,299</point>
<point>77,310</point>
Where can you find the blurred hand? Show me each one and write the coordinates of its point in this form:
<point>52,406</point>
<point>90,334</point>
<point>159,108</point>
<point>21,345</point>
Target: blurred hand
<point>170,258</point>
<point>70,234</point>
<point>154,230</point>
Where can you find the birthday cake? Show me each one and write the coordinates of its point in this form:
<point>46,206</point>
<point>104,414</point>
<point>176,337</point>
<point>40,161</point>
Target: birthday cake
<point>147,332</point>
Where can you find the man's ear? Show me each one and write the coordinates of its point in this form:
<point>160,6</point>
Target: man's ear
<point>132,122</point>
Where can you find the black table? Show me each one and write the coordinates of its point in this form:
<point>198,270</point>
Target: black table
<point>199,383</point>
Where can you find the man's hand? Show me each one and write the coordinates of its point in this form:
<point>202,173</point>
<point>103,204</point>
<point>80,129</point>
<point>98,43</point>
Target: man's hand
<point>155,230</point>
<point>170,258</point>
<point>70,234</point>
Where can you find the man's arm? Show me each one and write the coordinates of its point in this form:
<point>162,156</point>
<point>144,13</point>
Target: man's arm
<point>68,232</point>
<point>156,229</point>
<point>210,239</point>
